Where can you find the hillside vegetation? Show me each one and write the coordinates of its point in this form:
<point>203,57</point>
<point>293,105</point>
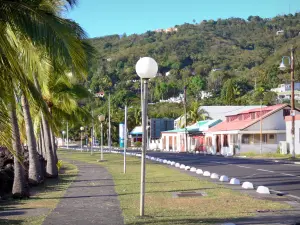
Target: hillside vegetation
<point>236,60</point>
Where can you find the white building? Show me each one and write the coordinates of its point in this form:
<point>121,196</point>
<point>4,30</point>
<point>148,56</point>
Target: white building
<point>284,91</point>
<point>241,132</point>
<point>174,140</point>
<point>288,120</point>
<point>286,87</point>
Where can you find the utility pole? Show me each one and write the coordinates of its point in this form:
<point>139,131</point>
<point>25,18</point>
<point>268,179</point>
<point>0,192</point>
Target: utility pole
<point>185,121</point>
<point>293,101</point>
<point>67,135</point>
<point>260,126</point>
<point>125,137</point>
<point>109,124</point>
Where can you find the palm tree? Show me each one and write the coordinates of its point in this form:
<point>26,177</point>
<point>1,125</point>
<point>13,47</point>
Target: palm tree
<point>40,24</point>
<point>194,114</point>
<point>35,173</point>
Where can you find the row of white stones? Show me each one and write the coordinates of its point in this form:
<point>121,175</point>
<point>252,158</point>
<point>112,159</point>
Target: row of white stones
<point>223,178</point>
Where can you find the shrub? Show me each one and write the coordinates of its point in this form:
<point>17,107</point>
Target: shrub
<point>138,144</point>
<point>59,164</point>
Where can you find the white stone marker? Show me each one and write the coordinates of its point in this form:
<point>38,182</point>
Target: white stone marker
<point>182,166</point>
<point>169,162</point>
<point>199,171</point>
<point>177,164</point>
<point>193,169</point>
<point>263,190</point>
<point>187,168</point>
<point>173,163</point>
<point>247,185</point>
<point>214,176</point>
<point>206,174</point>
<point>165,161</point>
<point>235,181</point>
<point>224,178</point>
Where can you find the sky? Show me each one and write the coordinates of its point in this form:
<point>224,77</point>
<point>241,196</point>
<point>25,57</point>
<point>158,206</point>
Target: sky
<point>100,18</point>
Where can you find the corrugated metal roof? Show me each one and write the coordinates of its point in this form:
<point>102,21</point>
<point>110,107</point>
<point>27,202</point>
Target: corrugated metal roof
<point>137,130</point>
<point>199,126</point>
<point>220,112</point>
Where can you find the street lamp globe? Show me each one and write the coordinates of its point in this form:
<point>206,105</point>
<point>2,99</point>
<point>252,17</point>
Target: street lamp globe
<point>101,118</point>
<point>81,128</point>
<point>63,132</point>
<point>282,66</point>
<point>146,68</point>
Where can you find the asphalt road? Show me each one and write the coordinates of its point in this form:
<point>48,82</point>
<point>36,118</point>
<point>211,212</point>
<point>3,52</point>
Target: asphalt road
<point>275,175</point>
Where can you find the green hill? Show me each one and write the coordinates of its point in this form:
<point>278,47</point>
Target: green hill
<point>235,59</point>
<point>202,56</point>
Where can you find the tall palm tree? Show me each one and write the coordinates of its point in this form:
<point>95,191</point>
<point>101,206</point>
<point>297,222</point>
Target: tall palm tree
<point>40,23</point>
<point>35,173</point>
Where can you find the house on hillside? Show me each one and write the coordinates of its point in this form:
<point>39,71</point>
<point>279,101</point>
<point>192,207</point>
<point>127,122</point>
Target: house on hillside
<point>241,132</point>
<point>283,91</point>
<point>174,140</point>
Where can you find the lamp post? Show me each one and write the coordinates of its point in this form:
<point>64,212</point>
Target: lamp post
<point>101,119</point>
<point>125,137</point>
<point>283,67</point>
<point>185,121</point>
<point>63,140</point>
<point>81,130</point>
<point>67,135</point>
<point>146,68</point>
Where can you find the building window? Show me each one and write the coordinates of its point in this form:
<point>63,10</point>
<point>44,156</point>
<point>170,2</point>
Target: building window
<point>225,141</point>
<point>271,136</point>
<point>253,115</point>
<point>245,138</point>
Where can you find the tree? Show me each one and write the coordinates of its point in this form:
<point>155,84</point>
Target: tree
<point>228,92</point>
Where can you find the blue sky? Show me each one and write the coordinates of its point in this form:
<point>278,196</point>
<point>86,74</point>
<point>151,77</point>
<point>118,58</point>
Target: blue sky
<point>100,18</point>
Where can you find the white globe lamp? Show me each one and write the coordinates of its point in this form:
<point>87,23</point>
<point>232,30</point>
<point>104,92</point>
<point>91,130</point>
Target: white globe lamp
<point>146,68</point>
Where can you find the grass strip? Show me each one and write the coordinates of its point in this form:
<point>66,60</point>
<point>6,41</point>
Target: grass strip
<point>220,205</point>
<point>43,200</point>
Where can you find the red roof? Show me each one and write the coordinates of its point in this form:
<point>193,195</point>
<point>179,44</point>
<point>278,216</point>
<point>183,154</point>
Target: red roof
<point>237,124</point>
<point>268,108</point>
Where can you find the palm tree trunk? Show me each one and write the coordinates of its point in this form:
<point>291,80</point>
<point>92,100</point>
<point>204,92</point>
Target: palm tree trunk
<point>53,145</point>
<point>43,149</point>
<point>35,173</point>
<point>39,148</point>
<point>20,187</point>
<point>51,169</point>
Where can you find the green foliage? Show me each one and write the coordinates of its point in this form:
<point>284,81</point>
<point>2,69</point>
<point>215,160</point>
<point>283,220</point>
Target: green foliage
<point>236,60</point>
<point>138,144</point>
<point>59,164</point>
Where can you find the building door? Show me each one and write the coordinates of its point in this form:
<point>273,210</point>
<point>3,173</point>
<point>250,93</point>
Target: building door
<point>218,143</point>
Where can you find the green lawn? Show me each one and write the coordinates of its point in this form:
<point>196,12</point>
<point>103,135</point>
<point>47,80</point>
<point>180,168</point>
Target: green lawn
<point>220,205</point>
<point>43,200</point>
<point>269,155</point>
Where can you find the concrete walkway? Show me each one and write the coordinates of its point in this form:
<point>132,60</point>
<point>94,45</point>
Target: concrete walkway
<point>91,199</point>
